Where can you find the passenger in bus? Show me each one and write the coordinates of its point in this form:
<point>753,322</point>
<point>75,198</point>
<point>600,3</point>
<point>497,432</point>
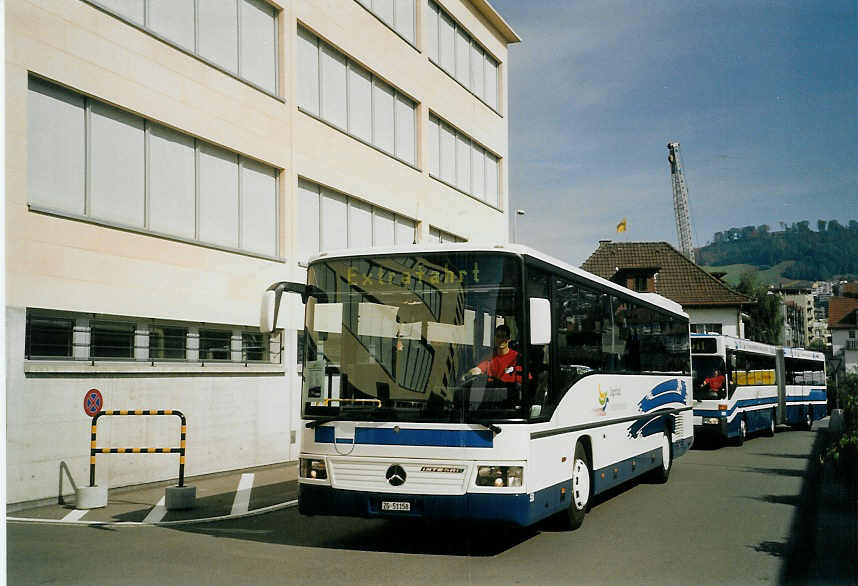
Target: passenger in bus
<point>716,383</point>
<point>503,364</point>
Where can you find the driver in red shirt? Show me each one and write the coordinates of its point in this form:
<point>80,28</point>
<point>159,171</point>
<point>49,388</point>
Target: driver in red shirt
<point>502,365</point>
<point>716,382</point>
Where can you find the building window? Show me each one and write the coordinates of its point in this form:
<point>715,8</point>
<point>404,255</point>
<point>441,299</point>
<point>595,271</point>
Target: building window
<point>440,237</point>
<point>852,334</point>
<point>329,220</point>
<point>111,339</point>
<point>239,37</point>
<point>167,343</point>
<point>48,337</point>
<point>399,15</point>
<point>706,328</point>
<point>215,344</point>
<point>342,93</point>
<point>455,51</point>
<point>641,284</point>
<point>60,335</point>
<point>459,161</point>
<point>144,176</point>
<point>254,347</point>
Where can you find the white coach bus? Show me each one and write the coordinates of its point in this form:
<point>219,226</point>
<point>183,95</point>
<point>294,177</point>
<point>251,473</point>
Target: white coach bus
<point>486,383</point>
<point>741,386</point>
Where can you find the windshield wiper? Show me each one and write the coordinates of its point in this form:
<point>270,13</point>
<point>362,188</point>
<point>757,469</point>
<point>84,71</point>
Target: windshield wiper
<point>490,426</point>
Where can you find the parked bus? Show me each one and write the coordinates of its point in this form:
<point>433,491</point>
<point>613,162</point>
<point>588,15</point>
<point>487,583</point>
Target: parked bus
<point>741,386</point>
<point>483,383</point>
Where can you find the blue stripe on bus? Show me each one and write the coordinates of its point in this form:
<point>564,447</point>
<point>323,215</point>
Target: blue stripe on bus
<point>448,438</point>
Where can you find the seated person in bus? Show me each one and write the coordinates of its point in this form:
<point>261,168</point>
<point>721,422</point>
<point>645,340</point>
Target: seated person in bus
<point>503,364</point>
<point>716,383</point>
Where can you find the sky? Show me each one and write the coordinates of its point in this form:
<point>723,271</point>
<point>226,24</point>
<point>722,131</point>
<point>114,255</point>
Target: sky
<point>761,95</point>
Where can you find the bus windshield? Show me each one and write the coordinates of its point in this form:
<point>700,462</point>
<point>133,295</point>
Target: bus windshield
<point>704,368</point>
<point>398,338</point>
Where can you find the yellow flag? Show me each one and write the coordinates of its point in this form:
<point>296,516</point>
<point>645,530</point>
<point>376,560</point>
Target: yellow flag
<point>621,227</point>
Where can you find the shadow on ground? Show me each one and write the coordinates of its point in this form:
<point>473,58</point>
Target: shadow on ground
<point>288,527</point>
<point>823,540</point>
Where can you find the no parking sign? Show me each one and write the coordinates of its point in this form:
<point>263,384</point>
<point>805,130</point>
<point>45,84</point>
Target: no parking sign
<point>92,402</point>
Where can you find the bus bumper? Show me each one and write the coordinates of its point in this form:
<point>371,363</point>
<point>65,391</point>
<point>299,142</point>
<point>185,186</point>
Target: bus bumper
<point>517,509</point>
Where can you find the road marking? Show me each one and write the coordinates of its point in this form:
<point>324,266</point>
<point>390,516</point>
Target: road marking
<point>242,495</point>
<point>253,513</point>
<point>75,515</point>
<point>157,513</point>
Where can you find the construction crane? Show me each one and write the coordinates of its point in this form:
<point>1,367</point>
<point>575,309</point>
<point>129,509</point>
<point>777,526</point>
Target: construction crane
<point>680,202</point>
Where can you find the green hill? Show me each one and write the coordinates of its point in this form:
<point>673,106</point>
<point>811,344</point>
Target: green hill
<point>796,253</point>
<point>768,275</point>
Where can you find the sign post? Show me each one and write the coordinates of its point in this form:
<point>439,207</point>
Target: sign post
<point>92,402</point>
<point>92,496</point>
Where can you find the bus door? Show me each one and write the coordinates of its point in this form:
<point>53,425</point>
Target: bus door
<point>781,381</point>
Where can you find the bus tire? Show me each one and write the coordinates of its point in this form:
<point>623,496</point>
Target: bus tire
<point>582,488</point>
<point>743,431</point>
<point>770,432</point>
<point>662,473</point>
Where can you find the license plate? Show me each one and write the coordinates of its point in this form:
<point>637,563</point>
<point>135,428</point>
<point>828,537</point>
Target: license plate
<point>395,506</point>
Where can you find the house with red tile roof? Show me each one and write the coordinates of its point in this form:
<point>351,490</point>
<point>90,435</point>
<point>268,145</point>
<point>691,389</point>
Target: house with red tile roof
<point>657,267</point>
<point>843,325</point>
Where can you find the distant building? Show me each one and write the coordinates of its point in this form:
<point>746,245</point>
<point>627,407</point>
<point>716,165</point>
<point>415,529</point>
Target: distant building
<point>843,323</point>
<point>798,307</point>
<point>657,267</point>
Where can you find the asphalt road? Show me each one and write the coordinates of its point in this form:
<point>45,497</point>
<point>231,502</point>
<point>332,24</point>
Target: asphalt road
<point>725,517</point>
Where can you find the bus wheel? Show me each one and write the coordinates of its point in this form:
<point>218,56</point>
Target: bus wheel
<point>582,484</point>
<point>771,430</point>
<point>662,473</point>
<point>743,431</point>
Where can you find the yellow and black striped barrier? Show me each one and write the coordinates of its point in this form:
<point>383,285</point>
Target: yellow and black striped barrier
<point>93,450</point>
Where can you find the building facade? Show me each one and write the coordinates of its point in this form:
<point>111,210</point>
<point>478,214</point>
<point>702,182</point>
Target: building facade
<point>843,324</point>
<point>167,161</point>
<point>657,267</point>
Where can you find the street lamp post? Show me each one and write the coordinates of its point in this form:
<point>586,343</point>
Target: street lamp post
<point>515,224</point>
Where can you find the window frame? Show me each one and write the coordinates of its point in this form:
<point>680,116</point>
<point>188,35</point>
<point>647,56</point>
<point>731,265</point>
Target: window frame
<point>198,144</point>
<point>194,51</point>
<point>375,80</point>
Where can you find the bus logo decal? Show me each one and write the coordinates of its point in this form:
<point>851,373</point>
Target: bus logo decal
<point>395,475</point>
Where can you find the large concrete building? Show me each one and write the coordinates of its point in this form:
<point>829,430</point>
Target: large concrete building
<point>167,161</point>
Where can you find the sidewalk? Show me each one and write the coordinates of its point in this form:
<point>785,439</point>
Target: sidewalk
<point>228,494</point>
<point>824,535</point>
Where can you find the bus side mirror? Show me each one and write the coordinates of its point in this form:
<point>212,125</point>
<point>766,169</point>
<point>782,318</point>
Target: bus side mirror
<point>271,303</point>
<point>268,315</point>
<point>540,321</point>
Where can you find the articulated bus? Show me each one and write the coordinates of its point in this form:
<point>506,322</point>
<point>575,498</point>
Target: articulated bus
<point>483,383</point>
<point>742,386</point>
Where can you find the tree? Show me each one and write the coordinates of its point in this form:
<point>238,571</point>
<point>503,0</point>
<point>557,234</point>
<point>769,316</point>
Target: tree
<point>820,225</point>
<point>766,319</point>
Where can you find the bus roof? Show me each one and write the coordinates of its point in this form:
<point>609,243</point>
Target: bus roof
<point>507,248</point>
<point>743,344</point>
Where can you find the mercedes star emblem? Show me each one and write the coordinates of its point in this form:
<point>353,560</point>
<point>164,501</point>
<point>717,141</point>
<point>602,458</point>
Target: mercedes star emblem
<point>395,475</point>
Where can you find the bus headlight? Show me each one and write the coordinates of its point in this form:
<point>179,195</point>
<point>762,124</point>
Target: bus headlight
<point>710,421</point>
<point>314,469</point>
<point>500,476</point>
